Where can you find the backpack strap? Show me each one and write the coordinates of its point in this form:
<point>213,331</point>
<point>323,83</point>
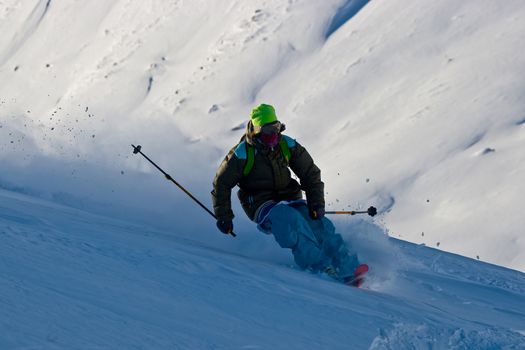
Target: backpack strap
<point>250,159</point>
<point>285,150</point>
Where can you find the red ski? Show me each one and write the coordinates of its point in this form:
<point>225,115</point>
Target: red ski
<point>359,276</point>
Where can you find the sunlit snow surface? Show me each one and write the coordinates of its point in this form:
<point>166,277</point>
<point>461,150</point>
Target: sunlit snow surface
<point>414,107</point>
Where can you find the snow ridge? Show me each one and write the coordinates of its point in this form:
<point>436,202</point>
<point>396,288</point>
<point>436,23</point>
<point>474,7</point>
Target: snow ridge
<point>344,14</point>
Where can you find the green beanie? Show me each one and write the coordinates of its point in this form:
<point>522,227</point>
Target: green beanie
<point>263,114</point>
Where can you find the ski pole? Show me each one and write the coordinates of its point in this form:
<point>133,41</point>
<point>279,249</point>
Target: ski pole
<point>137,149</point>
<point>371,211</point>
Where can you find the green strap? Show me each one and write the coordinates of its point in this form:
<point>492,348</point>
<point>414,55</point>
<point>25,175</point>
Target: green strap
<point>250,159</point>
<point>250,155</point>
<point>285,150</point>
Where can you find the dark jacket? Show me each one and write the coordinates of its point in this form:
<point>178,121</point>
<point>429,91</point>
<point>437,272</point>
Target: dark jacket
<point>269,180</point>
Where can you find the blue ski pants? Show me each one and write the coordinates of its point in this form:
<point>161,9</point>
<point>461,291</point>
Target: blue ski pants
<point>314,243</point>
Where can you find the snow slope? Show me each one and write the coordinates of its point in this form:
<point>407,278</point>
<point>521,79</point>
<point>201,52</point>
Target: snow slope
<point>74,280</point>
<point>414,107</point>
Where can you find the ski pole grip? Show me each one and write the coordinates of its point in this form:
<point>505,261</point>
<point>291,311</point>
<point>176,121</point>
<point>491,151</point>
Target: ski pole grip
<point>372,211</point>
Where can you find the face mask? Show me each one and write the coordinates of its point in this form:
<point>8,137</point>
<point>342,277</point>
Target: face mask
<point>270,140</point>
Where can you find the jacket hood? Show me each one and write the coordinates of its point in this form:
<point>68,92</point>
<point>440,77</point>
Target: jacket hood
<point>249,134</point>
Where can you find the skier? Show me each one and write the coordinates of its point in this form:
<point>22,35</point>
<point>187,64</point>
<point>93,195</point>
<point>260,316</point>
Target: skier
<point>260,165</point>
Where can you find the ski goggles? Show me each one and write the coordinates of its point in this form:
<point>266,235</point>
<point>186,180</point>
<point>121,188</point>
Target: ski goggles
<point>269,129</point>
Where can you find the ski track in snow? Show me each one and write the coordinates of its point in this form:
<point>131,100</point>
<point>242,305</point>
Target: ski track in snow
<point>69,279</point>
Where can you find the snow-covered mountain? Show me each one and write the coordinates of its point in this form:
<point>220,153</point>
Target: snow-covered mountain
<point>414,107</point>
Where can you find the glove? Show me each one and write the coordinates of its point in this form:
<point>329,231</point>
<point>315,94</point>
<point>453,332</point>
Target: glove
<point>225,226</point>
<point>317,212</point>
